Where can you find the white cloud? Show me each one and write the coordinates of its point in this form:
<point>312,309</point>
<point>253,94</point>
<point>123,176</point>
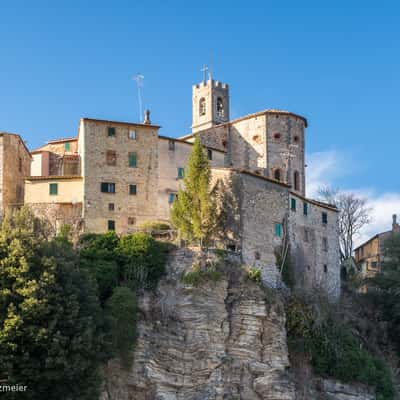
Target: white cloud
<point>325,169</point>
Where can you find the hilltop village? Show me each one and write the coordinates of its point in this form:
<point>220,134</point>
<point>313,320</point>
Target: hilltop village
<point>117,175</point>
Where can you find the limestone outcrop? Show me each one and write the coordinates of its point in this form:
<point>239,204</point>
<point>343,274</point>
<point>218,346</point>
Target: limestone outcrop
<point>220,340</point>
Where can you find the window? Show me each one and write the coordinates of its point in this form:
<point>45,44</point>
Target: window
<point>220,107</point>
<point>325,268</point>
<point>296,139</point>
<point>306,235</point>
<point>171,145</point>
<point>181,172</point>
<point>19,194</point>
<point>111,131</point>
<point>67,146</point>
<point>374,264</point>
<point>172,197</point>
<point>293,204</point>
<point>20,164</point>
<point>277,174</point>
<point>324,244</point>
<point>257,255</point>
<point>324,218</point>
<point>111,225</point>
<point>132,134</point>
<point>131,220</point>
<point>132,190</point>
<point>111,207</point>
<point>132,160</point>
<point>305,208</point>
<point>278,230</point>
<point>53,189</point>
<point>111,157</point>
<point>209,154</point>
<point>202,106</point>
<point>108,187</point>
<point>296,180</point>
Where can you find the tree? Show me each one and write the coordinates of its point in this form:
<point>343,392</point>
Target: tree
<point>193,212</point>
<point>353,216</point>
<point>384,288</point>
<point>50,319</point>
<point>121,310</point>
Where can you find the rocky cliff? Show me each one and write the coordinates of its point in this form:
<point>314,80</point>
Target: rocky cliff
<point>219,340</point>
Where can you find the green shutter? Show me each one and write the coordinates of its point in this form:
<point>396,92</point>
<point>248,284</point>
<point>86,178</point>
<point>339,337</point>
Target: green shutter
<point>67,146</point>
<point>305,208</point>
<point>324,218</point>
<point>293,204</point>
<point>53,189</point>
<point>181,172</point>
<point>278,230</point>
<point>132,160</point>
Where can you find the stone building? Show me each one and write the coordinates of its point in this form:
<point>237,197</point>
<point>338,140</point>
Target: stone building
<point>113,176</point>
<point>116,175</point>
<point>370,255</point>
<point>15,161</point>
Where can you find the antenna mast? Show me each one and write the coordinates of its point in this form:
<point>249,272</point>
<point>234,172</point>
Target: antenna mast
<point>139,81</point>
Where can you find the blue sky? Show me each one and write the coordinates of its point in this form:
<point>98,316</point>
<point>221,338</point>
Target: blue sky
<point>336,63</point>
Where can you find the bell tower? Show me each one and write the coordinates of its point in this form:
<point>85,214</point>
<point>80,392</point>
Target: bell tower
<point>210,104</point>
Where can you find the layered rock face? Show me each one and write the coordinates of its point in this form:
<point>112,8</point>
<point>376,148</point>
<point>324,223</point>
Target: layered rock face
<point>220,340</point>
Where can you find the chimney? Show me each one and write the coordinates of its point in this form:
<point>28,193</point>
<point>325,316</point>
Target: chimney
<point>147,117</point>
<point>395,225</point>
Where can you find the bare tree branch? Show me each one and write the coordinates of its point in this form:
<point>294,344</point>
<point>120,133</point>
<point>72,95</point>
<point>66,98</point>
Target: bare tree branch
<point>353,216</point>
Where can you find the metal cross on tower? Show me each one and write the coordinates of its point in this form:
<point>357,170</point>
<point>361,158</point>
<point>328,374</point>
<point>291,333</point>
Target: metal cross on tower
<point>139,81</point>
<point>204,71</point>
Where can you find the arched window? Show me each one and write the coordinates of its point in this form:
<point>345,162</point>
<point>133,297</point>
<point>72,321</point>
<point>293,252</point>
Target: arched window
<point>277,174</point>
<point>296,180</point>
<point>202,106</point>
<point>220,107</point>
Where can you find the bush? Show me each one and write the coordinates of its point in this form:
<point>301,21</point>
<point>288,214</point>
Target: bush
<point>197,276</point>
<point>254,274</point>
<point>142,260</point>
<point>332,348</point>
<point>154,226</point>
<point>98,256</point>
<point>121,310</point>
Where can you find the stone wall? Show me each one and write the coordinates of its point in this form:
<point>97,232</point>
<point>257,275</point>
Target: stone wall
<point>291,141</point>
<point>128,210</point>
<point>314,245</point>
<point>15,163</point>
<point>59,214</point>
<point>262,143</point>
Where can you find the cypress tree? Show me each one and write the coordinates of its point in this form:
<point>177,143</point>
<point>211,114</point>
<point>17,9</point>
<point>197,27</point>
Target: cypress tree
<point>193,212</point>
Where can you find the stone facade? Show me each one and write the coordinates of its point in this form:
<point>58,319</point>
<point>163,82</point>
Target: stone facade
<point>124,155</point>
<point>370,255</point>
<point>314,244</point>
<point>210,104</point>
<point>15,163</point>
<point>263,215</point>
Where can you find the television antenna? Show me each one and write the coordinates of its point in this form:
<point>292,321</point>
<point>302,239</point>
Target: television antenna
<point>139,78</point>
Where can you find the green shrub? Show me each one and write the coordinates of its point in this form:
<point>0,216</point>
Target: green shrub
<point>333,349</point>
<point>97,255</point>
<point>197,276</point>
<point>121,310</point>
<point>154,226</point>
<point>254,274</point>
<point>142,260</point>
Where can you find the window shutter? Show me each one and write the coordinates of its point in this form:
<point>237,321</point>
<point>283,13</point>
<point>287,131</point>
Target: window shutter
<point>132,160</point>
